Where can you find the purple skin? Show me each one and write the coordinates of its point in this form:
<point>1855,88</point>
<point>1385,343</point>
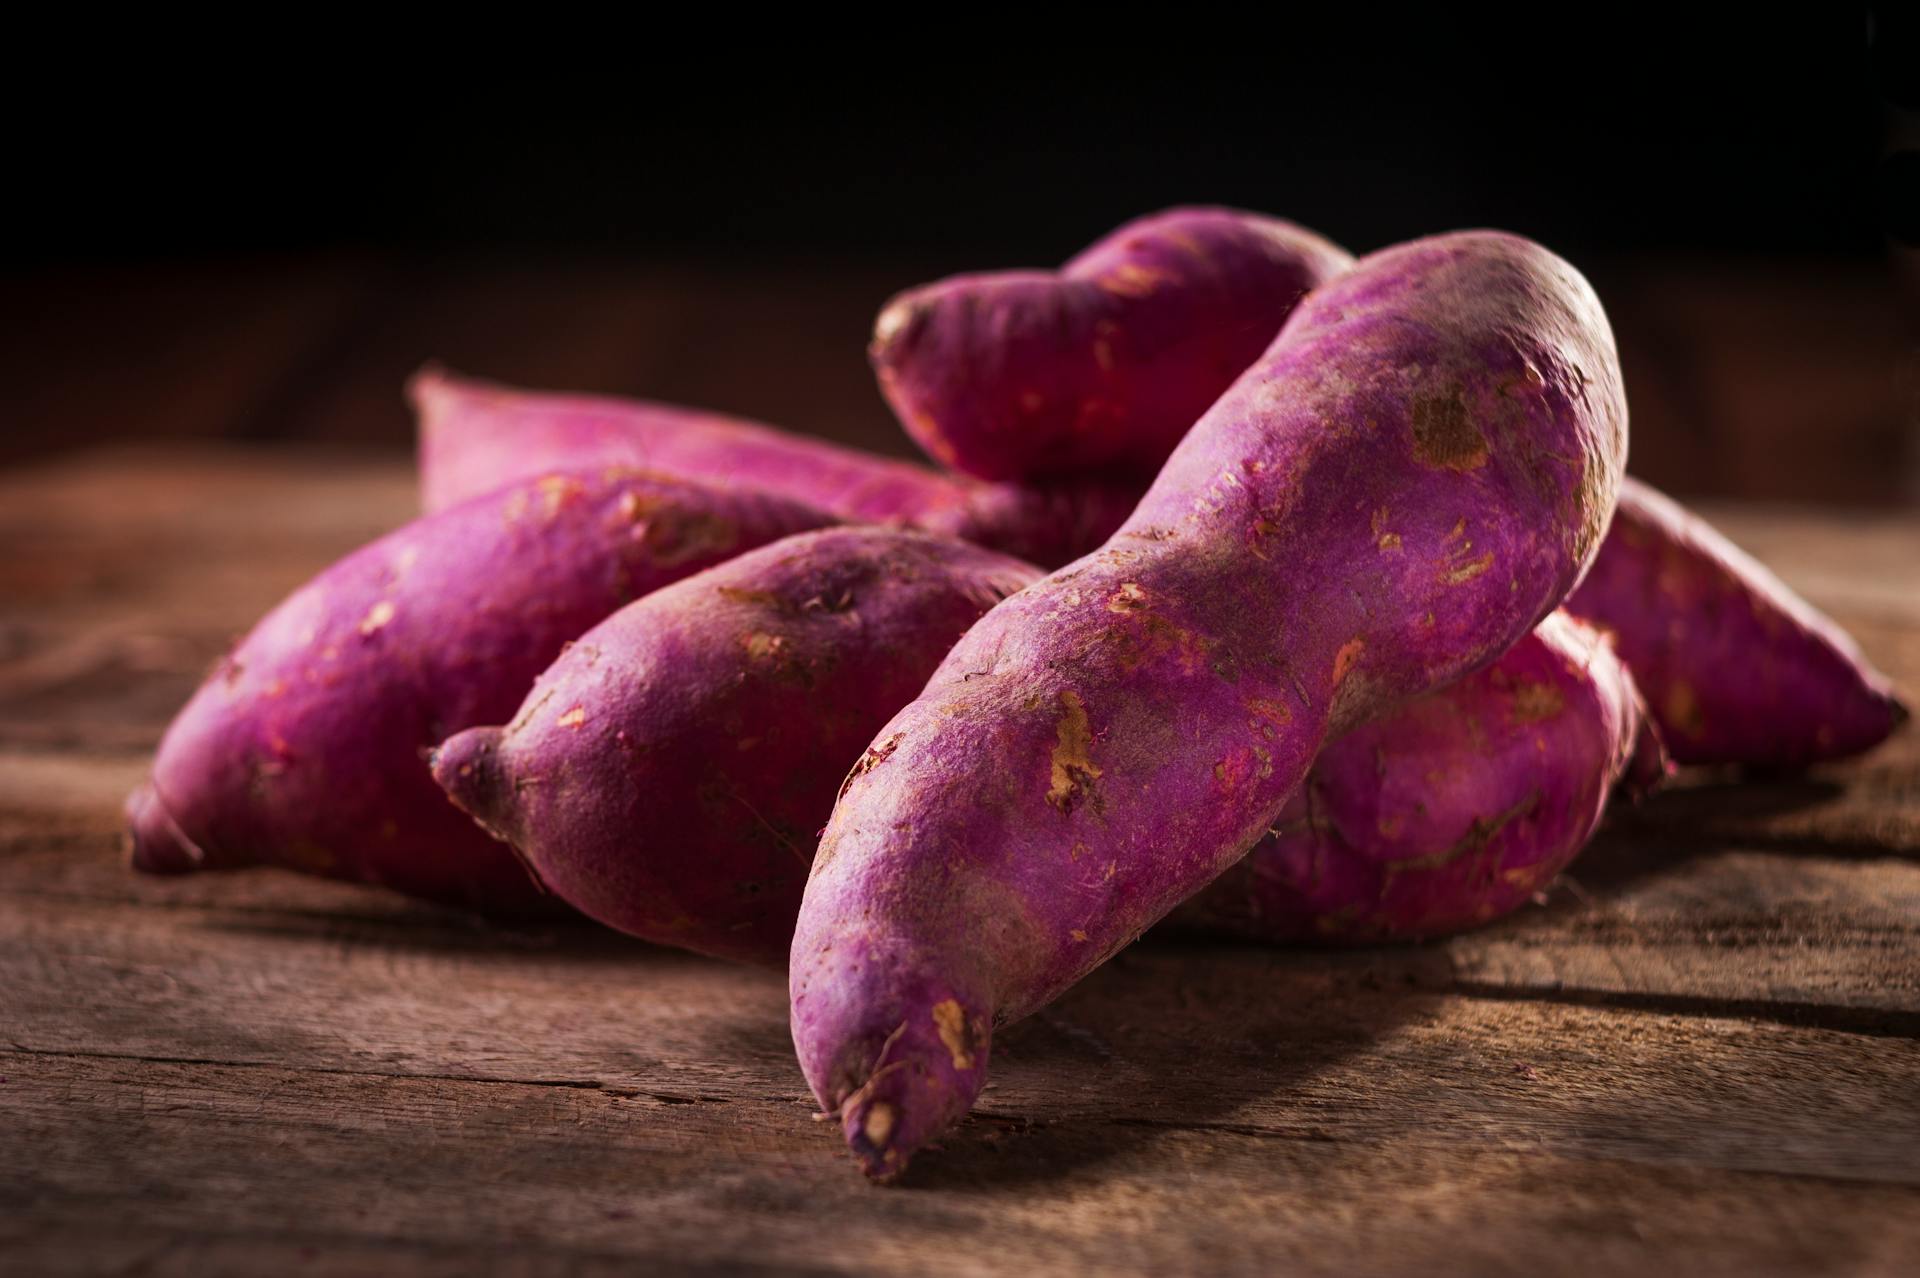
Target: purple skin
<point>669,774</point>
<point>474,437</point>
<point>1736,667</point>
<point>306,748</point>
<point>1105,363</point>
<point>1451,811</point>
<point>1408,481</point>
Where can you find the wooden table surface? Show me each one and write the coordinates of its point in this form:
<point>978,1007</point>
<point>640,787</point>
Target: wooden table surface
<point>1702,1051</point>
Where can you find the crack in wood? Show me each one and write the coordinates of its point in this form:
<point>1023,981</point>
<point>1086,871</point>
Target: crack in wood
<point>1877,1022</point>
<point>74,1053</point>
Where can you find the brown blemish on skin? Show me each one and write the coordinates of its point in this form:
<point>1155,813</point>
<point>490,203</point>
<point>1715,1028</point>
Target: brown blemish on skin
<point>1073,768</point>
<point>1103,354</point>
<point>557,490</point>
<point>1129,598</point>
<point>682,535</point>
<point>1268,714</point>
<point>763,647</point>
<point>1535,702</point>
<point>1242,765</point>
<point>1180,240</point>
<point>955,1034</point>
<point>1130,279</point>
<point>1343,661</point>
<point>873,758</point>
<point>1683,708</point>
<point>1444,433</point>
<point>573,718</point>
<point>1463,572</point>
<point>1382,537</point>
<point>1530,377</point>
<point>633,507</point>
<point>1153,637</point>
<point>842,602</point>
<point>878,1124</point>
<point>377,616</point>
<point>1078,935</point>
<point>1523,876</point>
<point>755,598</point>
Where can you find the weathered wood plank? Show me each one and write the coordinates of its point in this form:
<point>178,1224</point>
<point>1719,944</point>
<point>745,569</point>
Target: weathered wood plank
<point>1704,1047</point>
<point>1514,1035</point>
<point>208,1168</point>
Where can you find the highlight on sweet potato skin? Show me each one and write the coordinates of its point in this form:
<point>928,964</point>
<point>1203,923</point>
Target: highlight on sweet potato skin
<point>475,436</point>
<point>306,747</point>
<point>1104,363</point>
<point>1450,811</point>
<point>1736,667</point>
<point>1412,478</point>
<point>670,773</point>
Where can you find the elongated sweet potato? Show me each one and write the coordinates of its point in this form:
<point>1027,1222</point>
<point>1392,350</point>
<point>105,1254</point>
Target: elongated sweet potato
<point>1104,363</point>
<point>306,747</point>
<point>475,437</point>
<point>1735,666</point>
<point>670,773</point>
<point>1452,810</point>
<point>1409,480</point>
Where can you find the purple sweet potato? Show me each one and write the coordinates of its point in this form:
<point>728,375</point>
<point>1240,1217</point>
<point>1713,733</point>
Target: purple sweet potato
<point>669,775</point>
<point>1736,667</point>
<point>475,437</point>
<point>306,747</point>
<point>1450,811</point>
<point>1409,480</point>
<point>1104,363</point>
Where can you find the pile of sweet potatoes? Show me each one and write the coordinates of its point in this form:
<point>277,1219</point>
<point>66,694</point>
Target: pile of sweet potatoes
<point>1354,624</point>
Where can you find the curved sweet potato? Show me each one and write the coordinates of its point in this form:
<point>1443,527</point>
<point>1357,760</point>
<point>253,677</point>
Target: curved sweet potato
<point>1735,666</point>
<point>1104,363</point>
<point>669,774</point>
<point>475,437</point>
<point>1412,477</point>
<point>306,747</point>
<point>1451,811</point>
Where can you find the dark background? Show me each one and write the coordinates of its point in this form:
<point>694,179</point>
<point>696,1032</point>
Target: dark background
<point>262,258</point>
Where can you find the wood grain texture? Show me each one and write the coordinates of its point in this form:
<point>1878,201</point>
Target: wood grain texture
<point>1701,1051</point>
